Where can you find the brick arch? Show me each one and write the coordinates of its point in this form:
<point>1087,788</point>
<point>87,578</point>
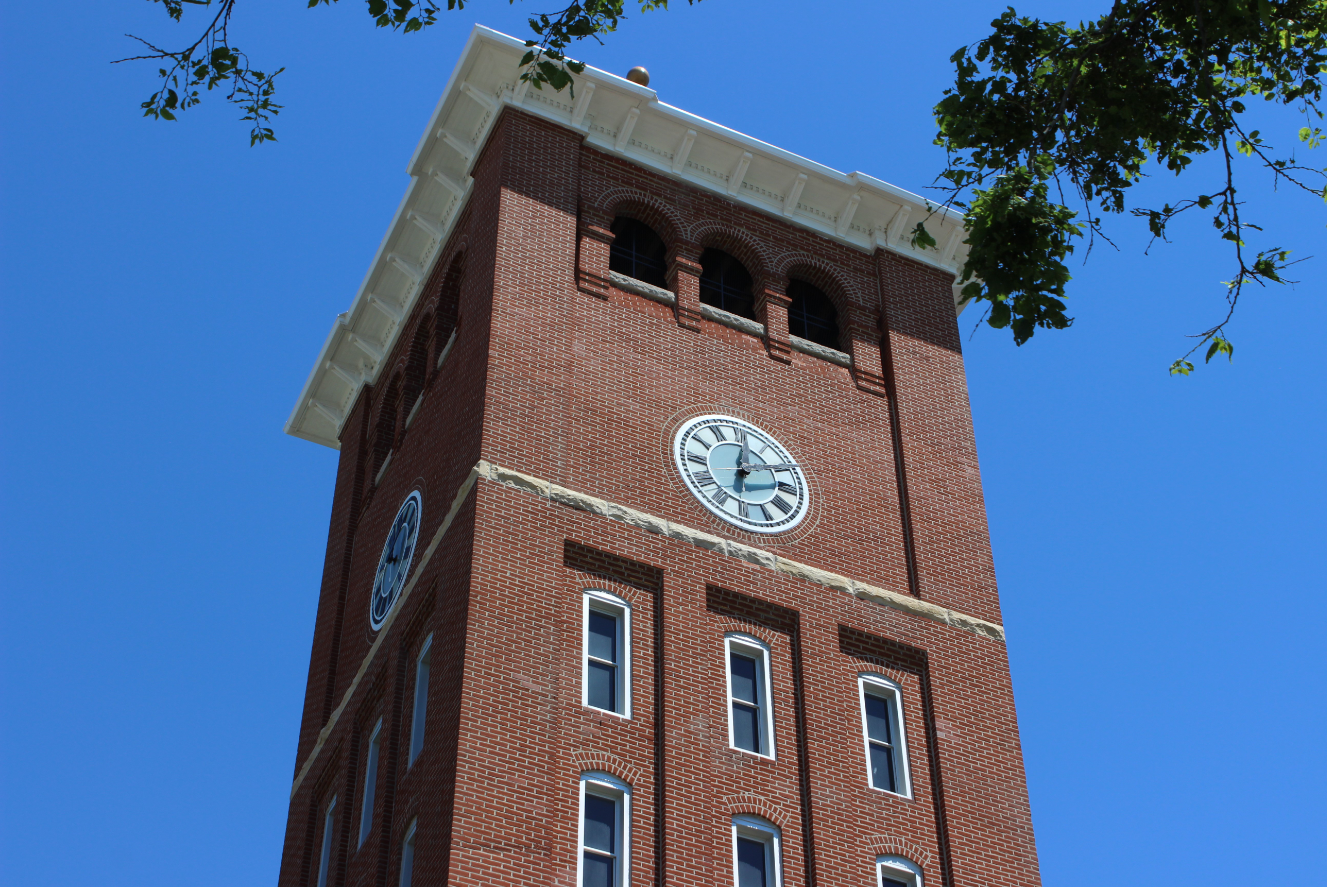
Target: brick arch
<point>756,630</point>
<point>637,204</point>
<point>628,593</point>
<point>442,264</point>
<point>737,243</point>
<point>604,762</point>
<point>893,845</point>
<point>850,671</point>
<point>820,273</point>
<point>412,366</point>
<point>445,297</point>
<point>749,803</point>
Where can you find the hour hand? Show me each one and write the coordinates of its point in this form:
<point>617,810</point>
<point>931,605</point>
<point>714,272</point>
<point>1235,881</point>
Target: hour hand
<point>771,466</point>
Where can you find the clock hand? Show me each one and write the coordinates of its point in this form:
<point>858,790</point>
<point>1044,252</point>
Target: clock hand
<point>772,466</point>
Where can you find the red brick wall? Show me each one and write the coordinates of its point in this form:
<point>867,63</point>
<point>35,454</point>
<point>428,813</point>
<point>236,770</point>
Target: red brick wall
<point>558,375</point>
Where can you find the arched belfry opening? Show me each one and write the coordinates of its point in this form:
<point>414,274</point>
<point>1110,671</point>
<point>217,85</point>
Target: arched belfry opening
<point>726,284</point>
<point>811,314</point>
<point>638,252</point>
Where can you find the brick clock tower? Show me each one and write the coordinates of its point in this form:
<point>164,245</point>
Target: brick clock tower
<point>658,553</point>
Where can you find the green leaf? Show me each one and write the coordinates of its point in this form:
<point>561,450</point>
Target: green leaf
<point>1220,346</point>
<point>1181,368</point>
<point>921,238</point>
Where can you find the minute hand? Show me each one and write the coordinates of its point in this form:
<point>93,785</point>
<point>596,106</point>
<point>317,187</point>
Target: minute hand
<point>761,466</point>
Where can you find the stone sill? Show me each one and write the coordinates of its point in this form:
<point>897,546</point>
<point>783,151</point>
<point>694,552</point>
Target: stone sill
<point>728,319</point>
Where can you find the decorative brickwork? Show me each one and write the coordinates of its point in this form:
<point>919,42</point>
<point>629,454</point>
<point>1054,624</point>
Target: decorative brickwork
<point>539,446</point>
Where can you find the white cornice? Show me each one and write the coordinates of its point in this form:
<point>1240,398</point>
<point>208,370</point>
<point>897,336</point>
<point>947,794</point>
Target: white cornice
<point>618,117</point>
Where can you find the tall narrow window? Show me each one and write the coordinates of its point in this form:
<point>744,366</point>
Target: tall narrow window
<point>756,860</point>
<point>750,715</point>
<point>447,316</point>
<point>607,673</point>
<point>882,726</point>
<point>895,871</point>
<point>637,252</point>
<point>370,783</point>
<point>325,855</point>
<point>408,855</point>
<point>417,717</point>
<point>811,315</point>
<point>725,284</point>
<point>605,831</point>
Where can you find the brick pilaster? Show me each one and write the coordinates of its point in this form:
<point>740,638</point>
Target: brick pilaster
<point>684,280</point>
<point>772,310</point>
<point>595,240</point>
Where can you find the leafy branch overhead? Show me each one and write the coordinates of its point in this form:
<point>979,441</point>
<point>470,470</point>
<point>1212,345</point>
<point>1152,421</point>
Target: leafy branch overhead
<point>1044,117</point>
<point>214,62</point>
<point>1046,128</point>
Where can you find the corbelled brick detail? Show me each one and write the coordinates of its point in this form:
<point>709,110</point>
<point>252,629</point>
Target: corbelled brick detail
<point>540,447</point>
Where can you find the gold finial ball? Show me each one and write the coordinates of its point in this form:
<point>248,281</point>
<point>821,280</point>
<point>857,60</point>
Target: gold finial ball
<point>639,75</point>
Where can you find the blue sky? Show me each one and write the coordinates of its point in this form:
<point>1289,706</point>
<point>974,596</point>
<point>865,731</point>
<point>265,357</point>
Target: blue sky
<point>166,289</point>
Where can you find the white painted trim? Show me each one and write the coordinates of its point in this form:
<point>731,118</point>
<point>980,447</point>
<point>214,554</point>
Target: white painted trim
<point>367,797</point>
<point>738,175</point>
<point>842,197</point>
<point>325,852</point>
<point>419,707</point>
<point>582,105</point>
<point>607,786</point>
<point>844,223</point>
<point>683,151</point>
<point>762,830</point>
<point>752,648</point>
<point>794,194</point>
<point>899,869</point>
<point>607,602</point>
<point>408,854</point>
<point>881,687</point>
<point>624,131</point>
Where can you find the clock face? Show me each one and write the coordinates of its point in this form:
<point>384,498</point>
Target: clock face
<point>741,474</point>
<point>394,564</point>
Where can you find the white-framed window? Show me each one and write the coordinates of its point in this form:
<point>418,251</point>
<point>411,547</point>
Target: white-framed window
<point>370,783</point>
<point>895,871</point>
<point>884,735</point>
<point>750,710</point>
<point>325,855</point>
<point>408,854</point>
<point>756,853</point>
<point>417,717</point>
<point>605,832</point>
<point>606,675</point>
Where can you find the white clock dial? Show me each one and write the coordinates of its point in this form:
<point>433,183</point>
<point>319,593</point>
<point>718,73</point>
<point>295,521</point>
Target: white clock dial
<point>741,474</point>
<point>394,563</point>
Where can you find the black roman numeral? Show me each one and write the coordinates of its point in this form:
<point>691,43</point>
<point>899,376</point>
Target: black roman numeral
<point>719,496</point>
<point>699,460</point>
<point>705,479</point>
<point>780,504</point>
<point>787,488</point>
<point>764,513</point>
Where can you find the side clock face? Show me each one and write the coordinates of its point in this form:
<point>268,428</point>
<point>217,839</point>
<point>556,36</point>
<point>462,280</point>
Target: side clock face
<point>741,474</point>
<point>394,564</point>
